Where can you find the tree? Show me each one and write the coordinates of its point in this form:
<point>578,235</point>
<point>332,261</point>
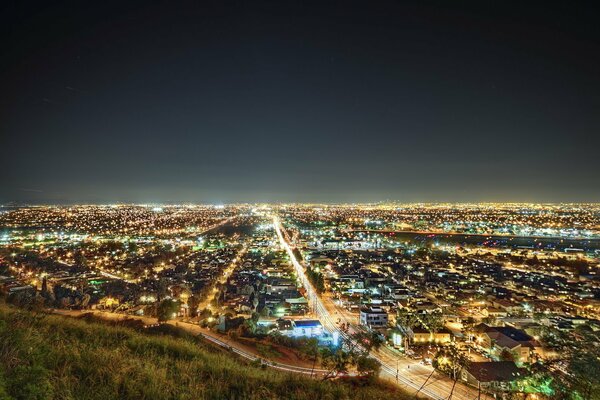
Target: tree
<point>367,340</point>
<point>163,289</point>
<point>22,298</point>
<point>336,361</point>
<point>310,348</point>
<point>249,328</point>
<point>193,303</point>
<point>167,309</point>
<point>585,370</point>
<point>582,356</point>
<point>85,300</point>
<point>433,322</point>
<point>265,312</point>
<point>316,278</point>
<point>539,380</point>
<point>407,321</point>
<point>368,366</point>
<point>80,260</point>
<point>405,318</point>
<point>44,286</point>
<point>354,353</point>
<point>65,302</point>
<point>451,360</point>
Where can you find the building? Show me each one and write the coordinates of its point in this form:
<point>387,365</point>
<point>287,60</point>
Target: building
<point>422,335</point>
<point>494,375</point>
<point>507,340</point>
<point>297,305</point>
<point>373,317</point>
<point>307,328</point>
<point>277,285</point>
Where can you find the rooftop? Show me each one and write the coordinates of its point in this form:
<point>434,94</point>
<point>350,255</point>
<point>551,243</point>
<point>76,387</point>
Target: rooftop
<point>494,371</point>
<point>307,323</point>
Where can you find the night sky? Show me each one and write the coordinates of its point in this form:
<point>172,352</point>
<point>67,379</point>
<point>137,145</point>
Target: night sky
<point>298,101</point>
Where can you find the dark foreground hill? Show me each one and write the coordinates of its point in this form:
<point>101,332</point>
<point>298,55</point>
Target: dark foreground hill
<point>52,357</point>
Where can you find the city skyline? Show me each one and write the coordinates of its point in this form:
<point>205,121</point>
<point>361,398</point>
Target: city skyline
<point>300,200</point>
<point>422,298</point>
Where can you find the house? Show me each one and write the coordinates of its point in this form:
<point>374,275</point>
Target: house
<point>425,306</point>
<point>351,282</point>
<point>373,317</point>
<point>297,305</point>
<point>307,328</point>
<point>497,340</point>
<point>506,305</point>
<point>422,335</point>
<point>491,374</point>
<point>277,285</point>
<point>320,261</point>
<point>396,291</point>
<point>494,312</point>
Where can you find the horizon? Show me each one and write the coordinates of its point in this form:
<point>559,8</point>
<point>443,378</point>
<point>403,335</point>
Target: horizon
<point>358,204</point>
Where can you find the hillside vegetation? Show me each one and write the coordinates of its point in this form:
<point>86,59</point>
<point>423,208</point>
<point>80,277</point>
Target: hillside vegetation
<point>53,357</point>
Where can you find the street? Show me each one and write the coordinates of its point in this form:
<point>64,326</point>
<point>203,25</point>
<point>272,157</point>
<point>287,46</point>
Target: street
<point>402,370</point>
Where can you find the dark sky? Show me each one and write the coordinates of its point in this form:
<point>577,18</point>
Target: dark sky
<point>299,101</point>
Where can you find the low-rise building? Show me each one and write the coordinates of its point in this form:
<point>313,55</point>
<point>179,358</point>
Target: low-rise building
<point>373,317</point>
<point>491,374</point>
<point>506,339</point>
<point>422,335</point>
<point>307,328</point>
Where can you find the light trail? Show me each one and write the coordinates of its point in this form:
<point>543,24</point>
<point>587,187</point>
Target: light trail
<point>223,278</point>
<point>329,323</point>
<point>272,364</point>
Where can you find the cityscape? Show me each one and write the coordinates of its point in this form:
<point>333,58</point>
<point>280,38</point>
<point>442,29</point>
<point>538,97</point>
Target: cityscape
<point>299,200</point>
<point>444,300</point>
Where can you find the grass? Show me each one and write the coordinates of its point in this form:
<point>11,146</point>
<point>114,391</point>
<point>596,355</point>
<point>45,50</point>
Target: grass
<point>53,357</point>
<point>267,351</point>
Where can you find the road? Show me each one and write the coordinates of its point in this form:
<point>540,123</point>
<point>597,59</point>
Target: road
<point>482,235</point>
<point>207,303</point>
<point>404,371</point>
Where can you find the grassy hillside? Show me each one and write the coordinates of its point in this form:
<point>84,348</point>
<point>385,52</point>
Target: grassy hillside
<point>53,357</point>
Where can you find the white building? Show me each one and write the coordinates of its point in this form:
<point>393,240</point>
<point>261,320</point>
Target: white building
<point>307,328</point>
<point>373,317</point>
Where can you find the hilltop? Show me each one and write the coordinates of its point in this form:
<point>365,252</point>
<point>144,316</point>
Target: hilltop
<point>55,357</point>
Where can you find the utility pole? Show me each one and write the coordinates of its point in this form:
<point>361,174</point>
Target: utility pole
<point>424,383</point>
<point>454,384</point>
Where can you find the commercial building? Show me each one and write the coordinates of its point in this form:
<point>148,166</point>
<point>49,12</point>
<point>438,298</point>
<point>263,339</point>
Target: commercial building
<point>307,328</point>
<point>373,317</point>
